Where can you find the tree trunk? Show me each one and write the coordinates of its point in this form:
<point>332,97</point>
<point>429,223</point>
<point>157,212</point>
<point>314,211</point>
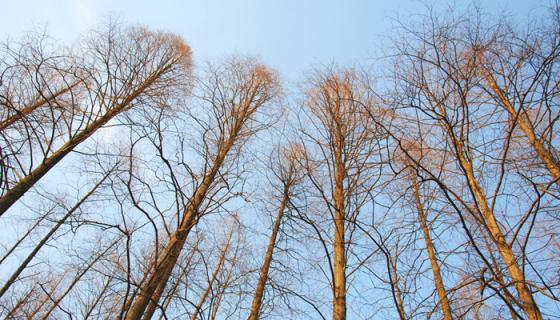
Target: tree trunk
<point>339,250</point>
<point>526,126</point>
<point>259,292</point>
<point>215,273</point>
<point>232,127</point>
<point>152,290</point>
<point>438,281</point>
<point>526,301</point>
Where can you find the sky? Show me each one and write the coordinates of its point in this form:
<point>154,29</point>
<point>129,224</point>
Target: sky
<point>291,36</point>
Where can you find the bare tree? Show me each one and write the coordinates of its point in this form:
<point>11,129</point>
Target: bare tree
<point>438,279</point>
<point>123,69</point>
<point>233,94</point>
<point>519,71</point>
<point>421,198</point>
<point>445,101</point>
<point>287,171</point>
<point>342,165</point>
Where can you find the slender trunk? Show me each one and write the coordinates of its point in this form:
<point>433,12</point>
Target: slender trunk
<point>398,297</point>
<point>224,284</point>
<point>151,291</point>
<point>131,296</point>
<point>154,302</point>
<point>21,302</point>
<point>229,134</point>
<point>150,310</point>
<point>40,303</point>
<point>339,250</point>
<point>438,281</point>
<point>546,155</point>
<point>47,237</point>
<point>167,300</point>
<point>498,275</point>
<point>20,240</point>
<point>339,307</point>
<point>100,297</point>
<point>215,273</point>
<point>257,298</point>
<point>526,301</point>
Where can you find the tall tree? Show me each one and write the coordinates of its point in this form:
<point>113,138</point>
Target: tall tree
<point>287,171</point>
<point>123,69</point>
<point>343,147</point>
<point>234,95</point>
<point>437,78</point>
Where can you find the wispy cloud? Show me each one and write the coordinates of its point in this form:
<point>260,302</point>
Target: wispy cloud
<point>84,13</point>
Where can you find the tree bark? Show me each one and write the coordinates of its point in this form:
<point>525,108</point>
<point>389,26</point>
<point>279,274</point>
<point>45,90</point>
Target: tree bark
<point>259,292</point>
<point>546,155</point>
<point>438,280</point>
<point>339,250</point>
<point>526,301</point>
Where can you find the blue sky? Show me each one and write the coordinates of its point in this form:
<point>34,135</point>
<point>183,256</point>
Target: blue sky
<point>289,35</point>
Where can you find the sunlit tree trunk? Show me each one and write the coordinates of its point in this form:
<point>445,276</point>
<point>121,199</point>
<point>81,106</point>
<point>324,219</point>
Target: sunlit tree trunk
<point>544,153</point>
<point>339,246</point>
<point>217,269</point>
<point>527,302</point>
<point>438,280</point>
<point>346,142</point>
<point>263,277</point>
